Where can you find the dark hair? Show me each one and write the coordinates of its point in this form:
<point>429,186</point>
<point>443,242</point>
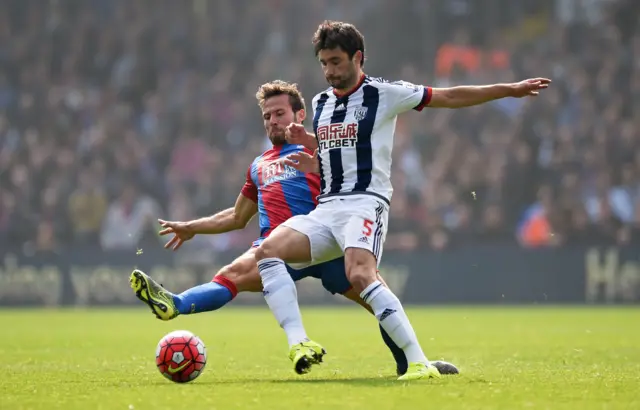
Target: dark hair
<point>279,87</point>
<point>333,34</point>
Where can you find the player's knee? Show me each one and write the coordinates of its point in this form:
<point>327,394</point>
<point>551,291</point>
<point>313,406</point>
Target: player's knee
<point>360,278</point>
<point>244,277</point>
<point>268,249</point>
<point>229,272</point>
<point>361,268</point>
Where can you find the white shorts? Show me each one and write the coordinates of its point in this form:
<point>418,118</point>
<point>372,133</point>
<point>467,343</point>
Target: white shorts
<point>343,222</point>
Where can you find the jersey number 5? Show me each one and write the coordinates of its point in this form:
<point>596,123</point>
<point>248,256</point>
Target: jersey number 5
<point>367,227</point>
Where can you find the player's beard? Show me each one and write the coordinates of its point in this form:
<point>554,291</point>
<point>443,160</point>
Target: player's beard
<point>346,81</point>
<point>278,138</point>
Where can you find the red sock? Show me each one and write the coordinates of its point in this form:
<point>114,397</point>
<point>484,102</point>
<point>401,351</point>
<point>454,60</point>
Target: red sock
<point>221,280</point>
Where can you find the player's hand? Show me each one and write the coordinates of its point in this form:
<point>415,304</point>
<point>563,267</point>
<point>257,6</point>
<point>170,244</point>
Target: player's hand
<point>296,134</point>
<point>304,162</point>
<point>180,230</point>
<point>530,87</point>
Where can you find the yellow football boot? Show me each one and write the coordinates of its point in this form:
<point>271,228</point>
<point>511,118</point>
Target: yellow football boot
<point>306,354</point>
<point>154,295</point>
<point>420,371</point>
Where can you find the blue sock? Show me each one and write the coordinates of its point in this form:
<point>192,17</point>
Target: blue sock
<point>398,354</point>
<point>203,298</point>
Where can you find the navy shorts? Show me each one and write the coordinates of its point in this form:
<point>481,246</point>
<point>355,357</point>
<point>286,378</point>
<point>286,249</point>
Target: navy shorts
<point>331,273</point>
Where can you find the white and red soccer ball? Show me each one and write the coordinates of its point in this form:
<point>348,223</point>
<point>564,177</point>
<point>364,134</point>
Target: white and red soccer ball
<point>181,356</point>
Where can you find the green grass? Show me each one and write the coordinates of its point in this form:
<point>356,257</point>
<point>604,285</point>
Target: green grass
<point>510,358</point>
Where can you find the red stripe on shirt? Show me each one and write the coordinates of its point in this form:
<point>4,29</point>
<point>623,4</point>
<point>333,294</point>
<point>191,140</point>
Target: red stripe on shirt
<point>426,98</point>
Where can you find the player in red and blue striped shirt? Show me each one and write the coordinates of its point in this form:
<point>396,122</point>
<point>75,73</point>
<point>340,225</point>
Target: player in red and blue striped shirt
<point>279,190</point>
<point>276,192</point>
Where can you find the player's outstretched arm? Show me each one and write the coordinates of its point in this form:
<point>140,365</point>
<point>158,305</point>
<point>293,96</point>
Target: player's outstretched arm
<point>230,219</point>
<point>467,96</point>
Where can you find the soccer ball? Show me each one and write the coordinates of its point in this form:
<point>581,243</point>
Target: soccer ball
<point>181,356</point>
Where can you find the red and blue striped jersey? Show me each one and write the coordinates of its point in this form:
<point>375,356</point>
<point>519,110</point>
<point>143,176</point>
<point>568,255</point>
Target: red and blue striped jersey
<point>280,190</point>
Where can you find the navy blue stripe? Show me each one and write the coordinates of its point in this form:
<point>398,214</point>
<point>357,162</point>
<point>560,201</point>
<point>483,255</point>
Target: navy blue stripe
<point>423,100</point>
<point>377,235</point>
<point>335,155</point>
<point>377,240</point>
<point>262,265</point>
<point>267,266</point>
<point>364,152</point>
<point>365,297</point>
<point>316,117</point>
<point>342,194</point>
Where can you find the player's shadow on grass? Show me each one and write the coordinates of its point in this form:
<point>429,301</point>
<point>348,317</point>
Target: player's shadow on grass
<point>356,381</point>
<point>362,381</point>
<point>375,381</point>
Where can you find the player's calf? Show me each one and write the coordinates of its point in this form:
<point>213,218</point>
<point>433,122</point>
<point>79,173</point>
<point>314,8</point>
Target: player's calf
<point>361,268</point>
<point>239,276</point>
<point>166,305</point>
<point>242,274</point>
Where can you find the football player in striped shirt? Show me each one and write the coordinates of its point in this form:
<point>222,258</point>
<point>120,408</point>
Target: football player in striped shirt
<point>354,124</point>
<point>276,192</point>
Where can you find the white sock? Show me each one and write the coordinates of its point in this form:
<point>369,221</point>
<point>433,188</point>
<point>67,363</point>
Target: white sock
<point>389,312</point>
<point>282,297</point>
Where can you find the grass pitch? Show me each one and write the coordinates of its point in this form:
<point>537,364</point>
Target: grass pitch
<point>510,358</point>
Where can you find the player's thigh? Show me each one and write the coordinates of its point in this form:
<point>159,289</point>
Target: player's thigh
<point>302,240</point>
<point>287,244</point>
<point>365,228</point>
<point>243,272</point>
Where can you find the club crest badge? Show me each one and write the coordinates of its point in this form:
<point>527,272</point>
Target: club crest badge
<point>360,113</point>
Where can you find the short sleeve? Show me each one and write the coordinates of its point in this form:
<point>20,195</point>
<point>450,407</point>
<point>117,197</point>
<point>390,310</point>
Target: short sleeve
<point>404,96</point>
<point>250,190</point>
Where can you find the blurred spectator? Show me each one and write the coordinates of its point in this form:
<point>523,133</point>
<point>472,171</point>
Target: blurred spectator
<point>160,94</point>
<point>87,208</point>
<point>129,220</point>
<point>536,228</point>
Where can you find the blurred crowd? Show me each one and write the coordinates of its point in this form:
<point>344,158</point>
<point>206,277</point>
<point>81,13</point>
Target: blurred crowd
<point>114,113</point>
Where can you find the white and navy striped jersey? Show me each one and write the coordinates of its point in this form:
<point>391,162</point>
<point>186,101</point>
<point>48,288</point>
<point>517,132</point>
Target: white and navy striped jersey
<point>355,135</point>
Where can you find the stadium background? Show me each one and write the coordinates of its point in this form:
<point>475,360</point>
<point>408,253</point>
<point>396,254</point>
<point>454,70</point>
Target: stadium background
<point>115,112</point>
